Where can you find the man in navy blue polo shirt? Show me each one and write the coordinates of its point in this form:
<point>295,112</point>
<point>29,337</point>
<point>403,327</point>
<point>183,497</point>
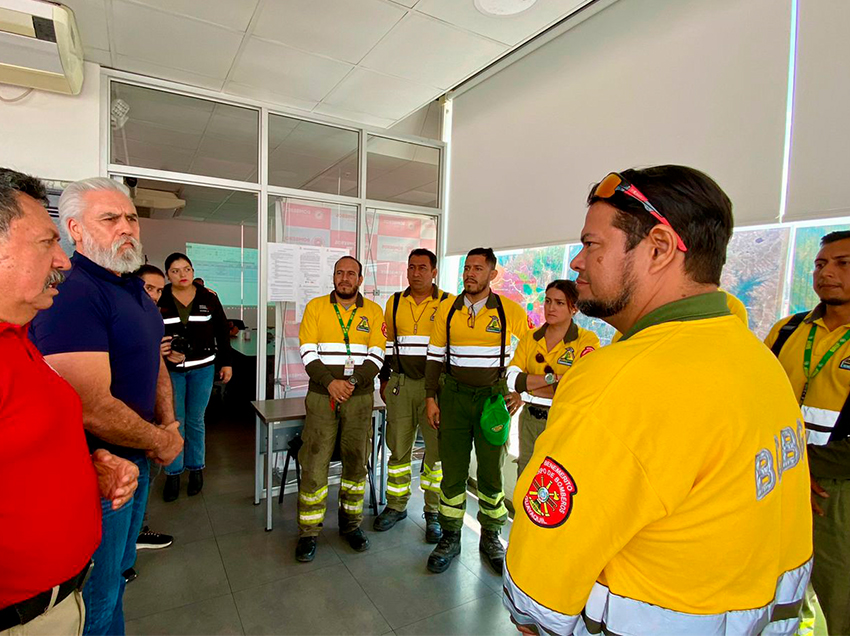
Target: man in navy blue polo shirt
<point>103,335</point>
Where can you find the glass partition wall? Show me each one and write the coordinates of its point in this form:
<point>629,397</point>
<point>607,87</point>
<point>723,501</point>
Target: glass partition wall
<point>204,159</point>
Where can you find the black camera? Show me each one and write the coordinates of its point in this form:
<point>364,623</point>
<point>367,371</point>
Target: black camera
<point>181,344</point>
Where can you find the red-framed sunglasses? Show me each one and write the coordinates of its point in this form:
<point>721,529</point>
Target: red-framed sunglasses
<point>614,182</point>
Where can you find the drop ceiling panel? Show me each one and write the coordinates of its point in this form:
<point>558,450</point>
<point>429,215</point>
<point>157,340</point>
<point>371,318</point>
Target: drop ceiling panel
<point>91,19</point>
<point>232,14</point>
<point>170,40</point>
<point>166,72</point>
<point>287,70</point>
<point>104,58</point>
<point>265,94</point>
<point>341,29</point>
<point>380,95</point>
<point>354,116</point>
<point>431,52</point>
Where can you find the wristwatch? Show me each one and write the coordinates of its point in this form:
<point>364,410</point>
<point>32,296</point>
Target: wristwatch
<point>352,381</point>
<point>550,378</point>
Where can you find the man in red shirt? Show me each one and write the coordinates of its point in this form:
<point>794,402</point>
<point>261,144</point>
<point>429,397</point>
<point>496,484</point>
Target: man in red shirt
<point>46,542</point>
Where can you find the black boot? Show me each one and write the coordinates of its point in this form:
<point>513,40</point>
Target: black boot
<point>433,530</point>
<point>305,551</point>
<point>388,518</point>
<point>172,488</point>
<point>447,549</point>
<point>196,482</point>
<point>357,539</point>
<point>491,547</point>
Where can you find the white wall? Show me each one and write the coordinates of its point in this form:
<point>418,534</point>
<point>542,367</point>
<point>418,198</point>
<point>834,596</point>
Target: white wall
<point>53,136</point>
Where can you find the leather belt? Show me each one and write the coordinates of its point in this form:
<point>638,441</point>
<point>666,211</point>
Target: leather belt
<point>541,413</point>
<point>25,611</point>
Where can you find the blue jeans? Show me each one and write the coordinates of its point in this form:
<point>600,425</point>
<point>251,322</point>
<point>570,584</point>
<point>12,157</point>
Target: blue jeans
<point>192,390</point>
<point>104,591</point>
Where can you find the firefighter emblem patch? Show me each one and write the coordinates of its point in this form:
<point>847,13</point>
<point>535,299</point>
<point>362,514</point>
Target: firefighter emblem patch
<point>568,358</point>
<point>493,326</point>
<point>363,325</point>
<point>549,500</point>
<point>384,329</point>
<point>845,364</point>
<point>585,351</point>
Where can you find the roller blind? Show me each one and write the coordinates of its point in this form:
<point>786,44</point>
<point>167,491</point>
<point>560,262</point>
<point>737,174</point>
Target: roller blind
<point>642,82</point>
<point>817,184</point>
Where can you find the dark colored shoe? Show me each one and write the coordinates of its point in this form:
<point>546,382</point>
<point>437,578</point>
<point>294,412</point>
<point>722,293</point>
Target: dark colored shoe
<point>196,482</point>
<point>305,551</point>
<point>172,488</point>
<point>357,539</point>
<point>130,575</point>
<point>433,529</point>
<point>388,518</point>
<point>150,540</point>
<point>447,549</point>
<point>491,547</point>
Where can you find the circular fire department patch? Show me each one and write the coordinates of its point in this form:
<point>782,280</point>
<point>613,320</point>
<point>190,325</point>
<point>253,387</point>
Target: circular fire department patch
<point>384,329</point>
<point>549,500</point>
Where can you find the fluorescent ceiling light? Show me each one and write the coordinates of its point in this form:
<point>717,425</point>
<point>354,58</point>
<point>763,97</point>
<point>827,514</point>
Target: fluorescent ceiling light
<point>502,8</point>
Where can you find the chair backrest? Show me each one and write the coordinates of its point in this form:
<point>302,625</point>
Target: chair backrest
<point>238,323</point>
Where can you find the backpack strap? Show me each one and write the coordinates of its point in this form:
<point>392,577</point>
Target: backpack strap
<point>449,339</point>
<point>786,330</point>
<point>396,300</point>
<point>501,310</point>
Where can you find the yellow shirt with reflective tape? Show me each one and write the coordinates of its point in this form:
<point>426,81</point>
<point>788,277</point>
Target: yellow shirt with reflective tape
<point>683,500</point>
<point>414,323</point>
<point>576,344</point>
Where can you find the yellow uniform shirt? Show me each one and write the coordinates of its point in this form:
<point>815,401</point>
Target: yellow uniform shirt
<point>826,393</point>
<point>576,344</point>
<point>475,342</point>
<point>323,349</point>
<point>414,323</point>
<point>669,493</point>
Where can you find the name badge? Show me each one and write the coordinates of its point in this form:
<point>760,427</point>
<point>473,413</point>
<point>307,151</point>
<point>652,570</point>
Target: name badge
<point>349,367</point>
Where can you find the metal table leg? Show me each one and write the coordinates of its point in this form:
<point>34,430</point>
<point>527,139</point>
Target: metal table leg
<point>258,462</point>
<point>382,495</point>
<point>374,499</point>
<point>269,478</point>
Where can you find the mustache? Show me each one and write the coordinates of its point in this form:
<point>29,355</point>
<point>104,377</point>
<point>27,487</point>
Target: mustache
<point>56,278</point>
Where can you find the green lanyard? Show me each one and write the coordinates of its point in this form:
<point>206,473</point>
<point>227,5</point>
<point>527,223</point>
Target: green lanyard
<point>345,328</point>
<point>807,358</point>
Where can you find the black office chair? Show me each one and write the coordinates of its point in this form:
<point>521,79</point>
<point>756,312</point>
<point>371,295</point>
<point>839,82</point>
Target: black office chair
<point>238,323</point>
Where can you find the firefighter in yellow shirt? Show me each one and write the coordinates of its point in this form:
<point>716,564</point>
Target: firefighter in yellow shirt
<point>409,316</point>
<point>472,337</point>
<point>814,349</point>
<point>668,494</point>
<point>342,346</point>
<point>542,358</point>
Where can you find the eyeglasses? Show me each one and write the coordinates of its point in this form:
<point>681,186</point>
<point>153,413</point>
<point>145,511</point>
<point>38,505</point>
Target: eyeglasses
<point>614,182</point>
<point>547,369</point>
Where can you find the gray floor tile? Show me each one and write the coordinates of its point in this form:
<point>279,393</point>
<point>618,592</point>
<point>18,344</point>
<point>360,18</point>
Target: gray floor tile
<point>326,601</point>
<point>213,616</point>
<point>405,533</point>
<point>236,512</point>
<point>186,518</point>
<point>400,586</point>
<point>254,557</point>
<point>482,616</point>
<point>182,574</point>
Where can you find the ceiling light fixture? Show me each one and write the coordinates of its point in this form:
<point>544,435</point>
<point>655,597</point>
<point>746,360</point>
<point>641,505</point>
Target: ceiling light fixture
<point>503,8</point>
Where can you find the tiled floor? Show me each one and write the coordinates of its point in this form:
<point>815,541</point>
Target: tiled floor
<point>226,575</point>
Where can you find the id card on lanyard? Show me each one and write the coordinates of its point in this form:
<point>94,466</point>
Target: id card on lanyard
<point>807,358</point>
<point>349,361</point>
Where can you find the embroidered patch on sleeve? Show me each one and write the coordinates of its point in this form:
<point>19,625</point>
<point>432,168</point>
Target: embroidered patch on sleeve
<point>384,329</point>
<point>549,500</point>
<point>585,351</point>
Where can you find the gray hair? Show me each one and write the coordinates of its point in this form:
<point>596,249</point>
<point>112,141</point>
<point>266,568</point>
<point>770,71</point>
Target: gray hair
<point>72,202</point>
<point>12,183</point>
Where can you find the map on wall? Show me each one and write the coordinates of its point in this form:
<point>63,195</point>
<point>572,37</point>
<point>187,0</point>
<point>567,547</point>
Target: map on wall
<point>524,274</point>
<point>806,246</point>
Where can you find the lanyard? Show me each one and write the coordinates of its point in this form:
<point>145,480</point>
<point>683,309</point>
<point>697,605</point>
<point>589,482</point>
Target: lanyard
<point>345,328</point>
<point>807,358</point>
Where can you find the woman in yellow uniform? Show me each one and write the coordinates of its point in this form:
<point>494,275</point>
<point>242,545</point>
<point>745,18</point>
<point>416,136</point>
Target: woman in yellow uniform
<point>541,359</point>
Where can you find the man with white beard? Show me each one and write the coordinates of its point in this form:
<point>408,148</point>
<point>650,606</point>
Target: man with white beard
<point>102,335</point>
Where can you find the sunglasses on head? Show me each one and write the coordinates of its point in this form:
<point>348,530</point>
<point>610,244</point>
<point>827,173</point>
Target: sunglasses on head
<point>547,369</point>
<point>615,182</point>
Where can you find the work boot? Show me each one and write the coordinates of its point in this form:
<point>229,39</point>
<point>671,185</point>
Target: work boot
<point>196,482</point>
<point>447,549</point>
<point>433,529</point>
<point>305,551</point>
<point>491,547</point>
<point>388,518</point>
<point>357,539</point>
<point>172,488</point>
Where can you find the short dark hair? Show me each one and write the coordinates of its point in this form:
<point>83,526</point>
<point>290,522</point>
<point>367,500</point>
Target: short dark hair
<point>693,203</point>
<point>832,237</point>
<point>488,254</point>
<point>12,183</point>
<point>567,287</point>
<point>421,251</point>
<point>177,256</point>
<point>359,264</point>
<point>147,268</point>
<point>199,280</point>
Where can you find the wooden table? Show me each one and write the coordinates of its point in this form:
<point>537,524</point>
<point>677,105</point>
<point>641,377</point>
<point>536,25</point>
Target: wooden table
<point>286,417</point>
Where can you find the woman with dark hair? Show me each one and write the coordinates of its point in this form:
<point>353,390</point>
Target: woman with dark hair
<point>541,359</point>
<point>199,338</point>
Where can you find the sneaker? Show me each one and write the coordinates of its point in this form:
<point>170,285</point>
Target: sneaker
<point>150,540</point>
<point>130,575</point>
<point>388,518</point>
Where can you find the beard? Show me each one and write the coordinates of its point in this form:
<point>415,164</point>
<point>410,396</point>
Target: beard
<point>835,302</point>
<point>604,308</point>
<point>345,295</point>
<point>109,258</point>
<point>473,287</point>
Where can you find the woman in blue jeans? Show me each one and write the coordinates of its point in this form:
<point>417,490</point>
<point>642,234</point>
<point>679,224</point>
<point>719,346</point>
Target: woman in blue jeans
<point>199,341</point>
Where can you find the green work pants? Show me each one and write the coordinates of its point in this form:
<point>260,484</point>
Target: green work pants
<point>353,421</point>
<point>405,400</point>
<point>460,430</point>
<point>530,428</point>
<point>831,568</point>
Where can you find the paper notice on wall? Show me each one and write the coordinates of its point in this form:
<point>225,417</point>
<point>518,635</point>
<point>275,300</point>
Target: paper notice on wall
<point>283,272</point>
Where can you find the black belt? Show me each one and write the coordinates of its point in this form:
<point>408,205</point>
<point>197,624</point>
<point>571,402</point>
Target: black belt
<point>25,611</point>
<point>541,413</point>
